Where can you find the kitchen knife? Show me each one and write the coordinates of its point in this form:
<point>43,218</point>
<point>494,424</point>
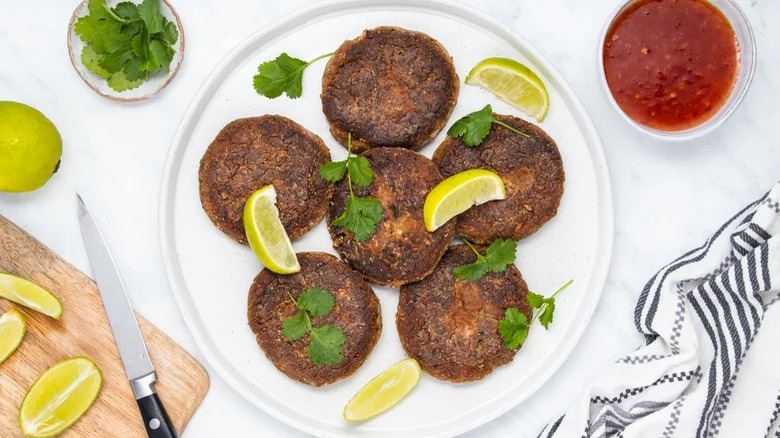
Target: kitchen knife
<point>127,335</point>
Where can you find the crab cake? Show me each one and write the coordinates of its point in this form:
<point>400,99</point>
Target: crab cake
<point>251,153</point>
<point>450,326</point>
<point>356,312</point>
<point>389,87</point>
<point>401,250</point>
<point>533,175</point>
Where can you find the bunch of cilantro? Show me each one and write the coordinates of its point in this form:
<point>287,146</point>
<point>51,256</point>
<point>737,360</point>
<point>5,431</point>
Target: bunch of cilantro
<point>127,43</point>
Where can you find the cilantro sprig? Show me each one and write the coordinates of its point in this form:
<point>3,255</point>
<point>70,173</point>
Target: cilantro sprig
<point>474,127</point>
<point>361,215</point>
<point>513,327</point>
<point>127,43</point>
<point>282,75</point>
<point>499,255</point>
<point>326,343</point>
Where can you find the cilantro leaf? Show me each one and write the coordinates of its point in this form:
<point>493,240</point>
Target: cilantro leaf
<point>91,60</point>
<point>170,34</point>
<point>318,302</point>
<point>360,217</point>
<point>119,82</point>
<point>546,317</point>
<point>360,171</point>
<point>333,171</point>
<point>534,300</point>
<point>513,328</point>
<point>149,13</point>
<point>471,272</point>
<point>499,255</point>
<point>474,127</point>
<point>282,75</point>
<point>126,10</point>
<point>295,327</point>
<point>326,345</point>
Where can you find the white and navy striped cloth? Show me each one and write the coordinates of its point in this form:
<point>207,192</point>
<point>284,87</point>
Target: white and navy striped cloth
<point>710,366</point>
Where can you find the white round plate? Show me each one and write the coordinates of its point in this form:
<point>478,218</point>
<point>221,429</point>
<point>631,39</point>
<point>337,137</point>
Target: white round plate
<point>210,274</point>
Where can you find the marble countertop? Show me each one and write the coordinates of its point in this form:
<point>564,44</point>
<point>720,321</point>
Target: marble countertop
<point>668,197</point>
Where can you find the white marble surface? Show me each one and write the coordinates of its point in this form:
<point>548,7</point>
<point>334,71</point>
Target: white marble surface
<point>668,197</point>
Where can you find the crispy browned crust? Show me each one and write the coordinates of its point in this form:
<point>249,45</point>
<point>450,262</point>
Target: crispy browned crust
<point>356,312</point>
<point>251,153</point>
<point>389,87</point>
<point>450,326</point>
<point>401,250</point>
<point>532,171</point>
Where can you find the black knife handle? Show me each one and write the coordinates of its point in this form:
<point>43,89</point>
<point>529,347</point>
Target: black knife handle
<point>156,420</point>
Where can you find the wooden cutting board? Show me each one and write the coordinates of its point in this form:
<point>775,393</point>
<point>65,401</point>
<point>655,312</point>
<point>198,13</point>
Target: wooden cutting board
<point>84,331</point>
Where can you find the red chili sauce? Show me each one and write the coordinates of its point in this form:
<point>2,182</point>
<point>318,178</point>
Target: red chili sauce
<point>671,64</point>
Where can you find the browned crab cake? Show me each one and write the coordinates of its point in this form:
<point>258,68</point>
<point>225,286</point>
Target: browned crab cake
<point>450,326</point>
<point>356,312</point>
<point>401,250</point>
<point>251,153</point>
<point>532,170</point>
<point>389,87</point>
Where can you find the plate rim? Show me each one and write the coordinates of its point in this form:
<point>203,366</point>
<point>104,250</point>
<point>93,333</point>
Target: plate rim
<point>184,301</point>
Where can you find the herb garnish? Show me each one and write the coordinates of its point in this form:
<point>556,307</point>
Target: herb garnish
<point>282,75</point>
<point>361,215</point>
<point>127,43</point>
<point>474,127</point>
<point>513,327</point>
<point>499,255</point>
<point>326,343</point>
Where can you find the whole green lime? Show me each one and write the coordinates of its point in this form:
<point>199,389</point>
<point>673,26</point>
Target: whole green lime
<point>30,148</point>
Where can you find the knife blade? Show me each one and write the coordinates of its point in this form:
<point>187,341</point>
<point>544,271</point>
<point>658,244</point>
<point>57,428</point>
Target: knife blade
<point>129,341</point>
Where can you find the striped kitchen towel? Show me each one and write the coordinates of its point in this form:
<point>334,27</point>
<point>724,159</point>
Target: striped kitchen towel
<point>710,365</point>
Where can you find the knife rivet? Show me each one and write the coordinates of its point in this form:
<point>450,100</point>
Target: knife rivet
<point>154,424</point>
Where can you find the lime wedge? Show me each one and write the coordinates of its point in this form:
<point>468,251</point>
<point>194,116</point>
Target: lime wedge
<point>514,83</point>
<point>60,397</point>
<point>12,330</point>
<point>30,295</point>
<point>383,392</point>
<point>266,234</point>
<point>460,192</point>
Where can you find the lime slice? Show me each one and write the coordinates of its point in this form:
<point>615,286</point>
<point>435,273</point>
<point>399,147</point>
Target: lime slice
<point>12,329</point>
<point>266,233</point>
<point>383,392</point>
<point>30,295</point>
<point>460,192</point>
<point>60,397</point>
<point>512,82</point>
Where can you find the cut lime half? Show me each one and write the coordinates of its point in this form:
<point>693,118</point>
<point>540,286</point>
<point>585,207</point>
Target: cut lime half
<point>460,192</point>
<point>383,392</point>
<point>12,330</point>
<point>30,295</point>
<point>514,83</point>
<point>266,234</point>
<point>60,397</point>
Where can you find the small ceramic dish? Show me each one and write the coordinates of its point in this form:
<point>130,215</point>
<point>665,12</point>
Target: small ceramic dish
<point>746,46</point>
<point>149,87</point>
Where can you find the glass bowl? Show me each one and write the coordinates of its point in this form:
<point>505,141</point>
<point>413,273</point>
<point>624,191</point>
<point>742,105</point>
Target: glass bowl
<point>746,46</point>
